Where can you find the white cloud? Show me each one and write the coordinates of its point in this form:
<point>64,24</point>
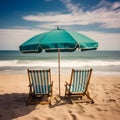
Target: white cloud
<point>11,38</point>
<point>116,5</point>
<point>107,41</point>
<point>59,19</point>
<point>71,7</point>
<point>107,14</point>
<point>108,5</point>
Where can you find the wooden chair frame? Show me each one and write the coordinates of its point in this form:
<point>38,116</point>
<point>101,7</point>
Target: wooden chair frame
<point>69,93</point>
<point>40,84</point>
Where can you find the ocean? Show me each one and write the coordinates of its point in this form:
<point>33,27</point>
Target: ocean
<point>102,62</point>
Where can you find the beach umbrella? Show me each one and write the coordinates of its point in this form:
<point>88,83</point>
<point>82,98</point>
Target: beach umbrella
<point>58,40</point>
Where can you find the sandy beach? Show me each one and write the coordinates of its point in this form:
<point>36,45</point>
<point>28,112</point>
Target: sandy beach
<point>105,90</point>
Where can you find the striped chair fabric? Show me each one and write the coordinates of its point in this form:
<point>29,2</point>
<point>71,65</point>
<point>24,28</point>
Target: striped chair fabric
<point>79,84</point>
<point>40,81</point>
<point>79,80</point>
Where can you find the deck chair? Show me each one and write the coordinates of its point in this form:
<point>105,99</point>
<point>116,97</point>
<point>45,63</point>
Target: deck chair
<point>79,85</point>
<point>40,86</point>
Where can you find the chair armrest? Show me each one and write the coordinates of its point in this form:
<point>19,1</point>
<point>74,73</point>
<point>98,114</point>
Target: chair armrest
<point>29,85</point>
<point>66,83</point>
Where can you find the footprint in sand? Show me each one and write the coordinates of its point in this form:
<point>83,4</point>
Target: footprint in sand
<point>107,92</point>
<point>112,100</point>
<point>78,109</point>
<point>98,109</point>
<point>49,118</point>
<point>91,116</point>
<point>69,111</point>
<point>74,117</point>
<point>118,87</point>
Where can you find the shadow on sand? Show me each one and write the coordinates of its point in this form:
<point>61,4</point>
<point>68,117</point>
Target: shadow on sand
<point>14,105</point>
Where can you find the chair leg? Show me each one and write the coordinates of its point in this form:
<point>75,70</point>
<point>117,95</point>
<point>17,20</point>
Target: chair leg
<point>51,95</point>
<point>49,101</point>
<point>65,94</point>
<point>29,99</point>
<point>88,95</point>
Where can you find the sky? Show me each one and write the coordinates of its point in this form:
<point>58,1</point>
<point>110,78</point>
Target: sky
<point>97,19</point>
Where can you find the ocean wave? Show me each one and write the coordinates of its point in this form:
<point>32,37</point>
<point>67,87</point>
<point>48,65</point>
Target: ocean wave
<point>54,63</point>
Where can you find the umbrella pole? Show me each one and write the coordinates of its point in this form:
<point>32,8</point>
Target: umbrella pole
<point>59,69</point>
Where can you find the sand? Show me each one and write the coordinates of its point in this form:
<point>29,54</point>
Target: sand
<point>105,90</point>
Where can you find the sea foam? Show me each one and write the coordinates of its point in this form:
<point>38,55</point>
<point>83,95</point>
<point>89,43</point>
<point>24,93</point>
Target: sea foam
<point>54,63</point>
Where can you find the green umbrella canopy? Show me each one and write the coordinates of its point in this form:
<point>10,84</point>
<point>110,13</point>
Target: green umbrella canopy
<point>65,41</point>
